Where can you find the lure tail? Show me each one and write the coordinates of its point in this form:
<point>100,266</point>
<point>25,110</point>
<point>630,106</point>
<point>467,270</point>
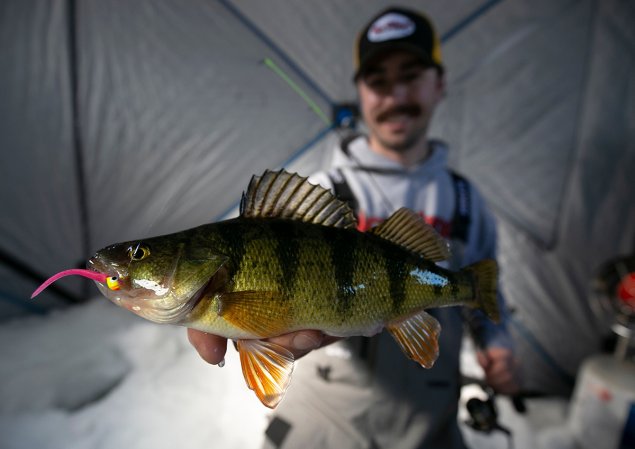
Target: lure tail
<point>94,275</point>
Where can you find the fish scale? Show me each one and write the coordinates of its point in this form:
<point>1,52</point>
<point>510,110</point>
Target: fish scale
<point>356,283</point>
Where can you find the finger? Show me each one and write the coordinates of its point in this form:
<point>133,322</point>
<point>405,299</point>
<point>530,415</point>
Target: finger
<point>499,378</point>
<point>210,347</point>
<point>500,367</point>
<point>494,358</point>
<point>509,387</point>
<point>300,343</point>
<point>483,359</point>
<point>503,377</point>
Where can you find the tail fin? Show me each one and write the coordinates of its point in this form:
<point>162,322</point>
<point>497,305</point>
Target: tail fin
<point>485,273</point>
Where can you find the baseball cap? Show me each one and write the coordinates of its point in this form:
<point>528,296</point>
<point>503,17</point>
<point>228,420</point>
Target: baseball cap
<point>397,28</point>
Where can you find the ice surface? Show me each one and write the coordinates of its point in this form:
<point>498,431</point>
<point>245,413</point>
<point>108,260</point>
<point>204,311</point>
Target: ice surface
<point>96,376</point>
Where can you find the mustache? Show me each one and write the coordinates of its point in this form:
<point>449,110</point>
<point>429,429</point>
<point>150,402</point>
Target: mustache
<point>411,109</point>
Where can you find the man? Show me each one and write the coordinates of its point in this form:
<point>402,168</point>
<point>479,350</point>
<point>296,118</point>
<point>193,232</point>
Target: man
<point>360,392</point>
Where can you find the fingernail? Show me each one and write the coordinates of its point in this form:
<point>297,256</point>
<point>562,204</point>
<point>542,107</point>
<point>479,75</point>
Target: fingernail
<point>302,342</point>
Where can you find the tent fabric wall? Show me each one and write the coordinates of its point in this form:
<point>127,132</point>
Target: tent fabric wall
<point>550,288</point>
<point>180,111</point>
<point>176,109</point>
<point>41,221</point>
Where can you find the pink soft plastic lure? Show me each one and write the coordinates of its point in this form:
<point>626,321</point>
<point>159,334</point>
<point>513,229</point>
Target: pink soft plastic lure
<point>111,281</point>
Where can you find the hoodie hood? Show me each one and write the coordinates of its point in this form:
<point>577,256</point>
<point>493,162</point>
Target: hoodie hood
<point>357,153</point>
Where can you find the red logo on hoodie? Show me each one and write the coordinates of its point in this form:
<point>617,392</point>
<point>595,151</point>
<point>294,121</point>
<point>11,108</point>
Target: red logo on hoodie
<point>443,227</point>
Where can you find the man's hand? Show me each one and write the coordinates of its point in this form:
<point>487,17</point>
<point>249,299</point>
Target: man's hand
<point>501,369</point>
<point>212,348</point>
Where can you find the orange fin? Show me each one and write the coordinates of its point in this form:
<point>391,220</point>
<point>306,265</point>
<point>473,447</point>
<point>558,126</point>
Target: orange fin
<point>485,273</point>
<point>407,229</point>
<point>418,337</point>
<point>263,313</point>
<point>267,369</point>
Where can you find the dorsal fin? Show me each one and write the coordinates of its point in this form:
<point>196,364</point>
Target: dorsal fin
<point>279,194</point>
<point>408,229</point>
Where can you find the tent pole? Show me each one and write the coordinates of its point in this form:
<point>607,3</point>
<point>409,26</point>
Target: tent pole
<point>276,49</point>
<point>456,29</point>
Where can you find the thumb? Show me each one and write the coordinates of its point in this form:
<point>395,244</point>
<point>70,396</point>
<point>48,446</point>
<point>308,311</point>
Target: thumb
<point>483,359</point>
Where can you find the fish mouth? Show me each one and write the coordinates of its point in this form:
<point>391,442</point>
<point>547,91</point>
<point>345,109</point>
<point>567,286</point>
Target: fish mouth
<point>96,265</point>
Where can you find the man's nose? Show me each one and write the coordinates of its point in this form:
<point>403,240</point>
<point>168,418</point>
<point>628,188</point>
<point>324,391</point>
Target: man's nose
<point>397,92</point>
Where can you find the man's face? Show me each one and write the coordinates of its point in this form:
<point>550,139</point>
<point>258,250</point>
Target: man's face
<point>398,95</point>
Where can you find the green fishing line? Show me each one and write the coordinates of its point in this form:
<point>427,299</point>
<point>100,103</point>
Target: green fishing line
<point>314,107</point>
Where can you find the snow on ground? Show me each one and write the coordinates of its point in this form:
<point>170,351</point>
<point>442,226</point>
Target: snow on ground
<point>96,376</point>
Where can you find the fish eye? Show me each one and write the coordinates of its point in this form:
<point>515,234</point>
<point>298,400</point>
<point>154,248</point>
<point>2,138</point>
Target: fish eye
<point>138,252</point>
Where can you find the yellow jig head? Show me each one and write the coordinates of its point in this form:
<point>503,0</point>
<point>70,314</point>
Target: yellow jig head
<point>113,282</point>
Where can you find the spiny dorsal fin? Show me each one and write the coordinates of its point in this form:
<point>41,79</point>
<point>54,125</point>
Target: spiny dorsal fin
<point>284,195</point>
<point>408,229</point>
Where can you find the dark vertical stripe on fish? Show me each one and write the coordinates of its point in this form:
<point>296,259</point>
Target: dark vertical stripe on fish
<point>234,242</point>
<point>437,291</point>
<point>343,261</point>
<point>288,254</point>
<point>397,277</point>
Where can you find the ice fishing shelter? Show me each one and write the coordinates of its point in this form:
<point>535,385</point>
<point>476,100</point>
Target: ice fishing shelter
<point>123,119</point>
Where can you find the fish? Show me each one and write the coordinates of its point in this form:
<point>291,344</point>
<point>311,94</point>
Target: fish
<point>293,260</point>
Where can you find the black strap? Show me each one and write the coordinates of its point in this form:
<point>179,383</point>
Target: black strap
<point>462,206</point>
<point>342,191</point>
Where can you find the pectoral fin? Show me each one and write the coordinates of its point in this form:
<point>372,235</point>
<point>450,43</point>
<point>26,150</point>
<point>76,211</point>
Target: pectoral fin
<point>418,337</point>
<point>267,369</point>
<point>262,313</point>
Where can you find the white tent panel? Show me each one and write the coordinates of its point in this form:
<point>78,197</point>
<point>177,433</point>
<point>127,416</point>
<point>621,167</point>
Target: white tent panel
<point>180,103</point>
<point>181,109</point>
<point>550,289</point>
<point>40,223</point>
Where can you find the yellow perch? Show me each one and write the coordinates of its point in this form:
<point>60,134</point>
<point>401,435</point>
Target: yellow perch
<point>293,260</point>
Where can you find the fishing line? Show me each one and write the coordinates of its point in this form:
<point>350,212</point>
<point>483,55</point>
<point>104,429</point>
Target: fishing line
<point>297,89</point>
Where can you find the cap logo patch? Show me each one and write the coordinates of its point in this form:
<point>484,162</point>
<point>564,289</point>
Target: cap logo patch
<point>390,26</point>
